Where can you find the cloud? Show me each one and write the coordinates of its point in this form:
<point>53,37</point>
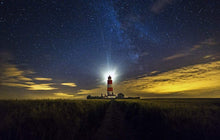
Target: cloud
<point>9,80</point>
<point>208,42</point>
<point>69,84</point>
<point>31,86</point>
<point>195,47</point>
<point>63,95</point>
<point>10,73</point>
<point>23,78</point>
<point>95,91</point>
<point>175,56</point>
<point>10,70</point>
<point>41,87</point>
<point>30,83</point>
<point>208,56</point>
<point>14,84</point>
<point>159,5</point>
<point>43,79</point>
<point>196,77</point>
<point>154,72</point>
<point>12,76</point>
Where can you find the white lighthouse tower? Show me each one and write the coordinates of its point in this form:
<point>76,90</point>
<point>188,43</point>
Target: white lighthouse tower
<point>110,93</point>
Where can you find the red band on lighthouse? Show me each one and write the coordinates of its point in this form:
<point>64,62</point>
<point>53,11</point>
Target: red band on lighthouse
<point>110,89</point>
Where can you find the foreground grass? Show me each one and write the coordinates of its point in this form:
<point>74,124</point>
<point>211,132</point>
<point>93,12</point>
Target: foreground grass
<point>173,118</point>
<point>81,119</point>
<point>50,119</point>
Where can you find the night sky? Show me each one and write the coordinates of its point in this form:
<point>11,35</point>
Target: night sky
<point>152,48</point>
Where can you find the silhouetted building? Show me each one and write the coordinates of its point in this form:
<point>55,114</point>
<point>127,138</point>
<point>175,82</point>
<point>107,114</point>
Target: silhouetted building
<point>120,96</point>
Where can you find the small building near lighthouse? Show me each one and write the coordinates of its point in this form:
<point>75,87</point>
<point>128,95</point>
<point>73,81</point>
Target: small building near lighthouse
<point>121,96</point>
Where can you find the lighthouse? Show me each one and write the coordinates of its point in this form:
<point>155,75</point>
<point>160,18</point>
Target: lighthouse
<point>109,87</point>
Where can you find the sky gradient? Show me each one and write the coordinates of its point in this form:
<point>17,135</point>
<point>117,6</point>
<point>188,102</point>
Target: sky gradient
<point>152,48</point>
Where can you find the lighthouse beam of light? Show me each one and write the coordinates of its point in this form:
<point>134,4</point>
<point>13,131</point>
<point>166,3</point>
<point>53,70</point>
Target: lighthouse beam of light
<point>109,70</point>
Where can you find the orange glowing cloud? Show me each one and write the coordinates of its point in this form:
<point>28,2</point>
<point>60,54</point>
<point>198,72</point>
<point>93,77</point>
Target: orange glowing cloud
<point>23,78</point>
<point>14,84</point>
<point>43,79</point>
<point>69,84</point>
<point>41,87</point>
<point>190,78</point>
<point>63,95</point>
<point>15,77</point>
<point>30,83</point>
<point>10,73</point>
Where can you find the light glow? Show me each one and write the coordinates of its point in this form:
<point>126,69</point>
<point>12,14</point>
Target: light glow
<point>112,73</point>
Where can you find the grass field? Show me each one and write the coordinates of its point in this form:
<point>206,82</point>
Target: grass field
<point>106,119</point>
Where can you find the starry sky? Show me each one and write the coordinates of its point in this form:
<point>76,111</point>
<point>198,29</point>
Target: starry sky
<point>152,48</point>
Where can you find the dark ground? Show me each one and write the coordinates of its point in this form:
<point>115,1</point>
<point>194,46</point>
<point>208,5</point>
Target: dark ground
<point>111,120</point>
